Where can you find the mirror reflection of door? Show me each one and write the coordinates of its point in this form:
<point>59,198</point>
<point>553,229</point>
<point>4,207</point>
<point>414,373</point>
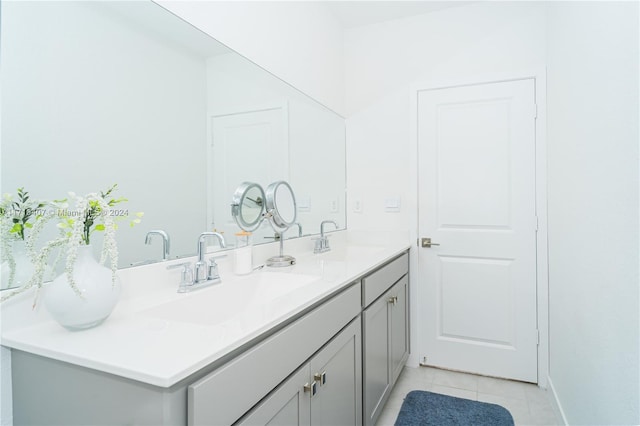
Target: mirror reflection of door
<point>243,145</point>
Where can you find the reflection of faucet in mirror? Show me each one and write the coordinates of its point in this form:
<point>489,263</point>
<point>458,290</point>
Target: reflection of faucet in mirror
<point>322,243</point>
<point>166,242</point>
<point>202,272</point>
<point>299,225</point>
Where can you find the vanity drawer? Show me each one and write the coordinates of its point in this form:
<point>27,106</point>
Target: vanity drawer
<point>225,395</point>
<point>378,282</point>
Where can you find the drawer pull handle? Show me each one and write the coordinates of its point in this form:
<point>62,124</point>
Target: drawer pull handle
<point>393,300</point>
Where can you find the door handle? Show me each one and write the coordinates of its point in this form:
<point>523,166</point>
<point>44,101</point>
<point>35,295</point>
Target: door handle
<point>426,242</point>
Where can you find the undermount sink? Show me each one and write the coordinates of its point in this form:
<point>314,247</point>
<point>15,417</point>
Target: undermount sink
<point>223,302</point>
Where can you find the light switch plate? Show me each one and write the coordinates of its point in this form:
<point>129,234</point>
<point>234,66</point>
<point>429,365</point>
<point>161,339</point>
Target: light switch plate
<point>304,204</point>
<point>392,204</point>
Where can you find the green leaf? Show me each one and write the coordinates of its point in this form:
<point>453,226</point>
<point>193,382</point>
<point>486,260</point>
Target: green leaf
<point>100,227</point>
<point>16,228</point>
<point>28,225</point>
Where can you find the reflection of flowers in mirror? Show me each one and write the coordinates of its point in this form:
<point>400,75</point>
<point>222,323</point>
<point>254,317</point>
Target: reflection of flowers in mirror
<point>19,218</point>
<point>89,213</point>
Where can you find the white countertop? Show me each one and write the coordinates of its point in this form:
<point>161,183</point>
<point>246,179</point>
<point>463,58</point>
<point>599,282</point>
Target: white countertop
<point>158,336</point>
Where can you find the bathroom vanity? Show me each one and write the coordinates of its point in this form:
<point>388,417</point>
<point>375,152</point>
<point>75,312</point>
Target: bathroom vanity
<point>321,343</point>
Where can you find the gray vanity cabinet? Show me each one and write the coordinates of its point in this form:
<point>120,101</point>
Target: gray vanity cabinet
<point>325,391</point>
<point>385,334</point>
<point>334,363</point>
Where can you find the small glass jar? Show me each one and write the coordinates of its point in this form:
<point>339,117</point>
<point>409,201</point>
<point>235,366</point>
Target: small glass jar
<point>243,254</point>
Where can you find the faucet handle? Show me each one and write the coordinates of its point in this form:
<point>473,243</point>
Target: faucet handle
<point>186,275</point>
<point>212,270</point>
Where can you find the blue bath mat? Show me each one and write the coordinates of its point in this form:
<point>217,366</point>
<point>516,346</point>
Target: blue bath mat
<point>421,408</point>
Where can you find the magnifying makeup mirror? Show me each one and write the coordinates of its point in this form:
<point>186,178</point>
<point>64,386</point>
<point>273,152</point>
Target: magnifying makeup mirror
<point>282,214</point>
<point>251,205</point>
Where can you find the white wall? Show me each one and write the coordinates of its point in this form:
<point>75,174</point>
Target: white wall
<point>593,210</point>
<point>593,164</point>
<point>383,60</point>
<point>300,42</point>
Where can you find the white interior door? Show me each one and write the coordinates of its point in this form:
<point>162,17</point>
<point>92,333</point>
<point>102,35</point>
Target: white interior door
<point>476,181</point>
<point>246,146</point>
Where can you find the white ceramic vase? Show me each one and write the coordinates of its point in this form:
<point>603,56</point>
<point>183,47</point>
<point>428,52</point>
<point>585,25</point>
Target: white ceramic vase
<point>99,294</point>
<point>24,268</point>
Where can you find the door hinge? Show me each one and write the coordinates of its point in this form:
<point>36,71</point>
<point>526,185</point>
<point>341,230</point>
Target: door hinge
<point>537,224</point>
<point>537,337</point>
<point>535,111</point>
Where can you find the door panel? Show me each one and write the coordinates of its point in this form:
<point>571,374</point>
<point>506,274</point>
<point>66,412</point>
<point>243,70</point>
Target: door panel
<point>338,400</point>
<point>287,405</point>
<point>376,358</point>
<point>477,200</point>
<point>399,336</point>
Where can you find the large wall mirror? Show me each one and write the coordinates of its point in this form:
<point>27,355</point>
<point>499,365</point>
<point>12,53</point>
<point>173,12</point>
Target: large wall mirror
<point>97,93</point>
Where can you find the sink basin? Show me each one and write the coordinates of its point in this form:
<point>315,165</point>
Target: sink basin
<point>223,302</point>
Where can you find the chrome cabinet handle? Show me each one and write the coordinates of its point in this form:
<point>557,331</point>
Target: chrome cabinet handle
<point>393,300</point>
<point>311,388</point>
<point>321,377</point>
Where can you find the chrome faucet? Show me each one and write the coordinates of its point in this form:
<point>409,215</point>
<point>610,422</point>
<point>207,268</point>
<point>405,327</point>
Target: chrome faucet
<point>166,241</point>
<point>322,243</point>
<point>203,272</point>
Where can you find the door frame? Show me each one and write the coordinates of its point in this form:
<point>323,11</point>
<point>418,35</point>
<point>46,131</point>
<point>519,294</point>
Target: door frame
<point>542,258</point>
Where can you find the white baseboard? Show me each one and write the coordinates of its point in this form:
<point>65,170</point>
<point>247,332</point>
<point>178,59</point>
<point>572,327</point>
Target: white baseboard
<point>412,361</point>
<point>555,402</point>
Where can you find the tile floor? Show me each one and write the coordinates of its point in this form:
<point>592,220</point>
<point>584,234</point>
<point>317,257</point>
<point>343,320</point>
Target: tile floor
<point>527,403</point>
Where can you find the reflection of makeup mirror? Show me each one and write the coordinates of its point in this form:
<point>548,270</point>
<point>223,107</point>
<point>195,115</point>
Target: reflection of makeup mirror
<point>247,206</point>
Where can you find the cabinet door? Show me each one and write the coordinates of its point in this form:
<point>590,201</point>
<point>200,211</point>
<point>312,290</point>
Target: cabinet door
<point>377,378</point>
<point>398,329</point>
<point>288,405</point>
<point>337,369</point>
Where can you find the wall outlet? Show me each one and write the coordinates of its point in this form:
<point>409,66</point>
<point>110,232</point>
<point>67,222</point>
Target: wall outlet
<point>357,205</point>
<point>334,205</point>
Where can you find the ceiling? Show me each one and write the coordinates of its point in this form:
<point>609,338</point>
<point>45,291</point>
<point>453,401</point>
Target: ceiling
<point>357,13</point>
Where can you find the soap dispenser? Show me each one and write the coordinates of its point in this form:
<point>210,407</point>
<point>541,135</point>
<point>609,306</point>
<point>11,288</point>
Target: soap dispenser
<point>242,255</point>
